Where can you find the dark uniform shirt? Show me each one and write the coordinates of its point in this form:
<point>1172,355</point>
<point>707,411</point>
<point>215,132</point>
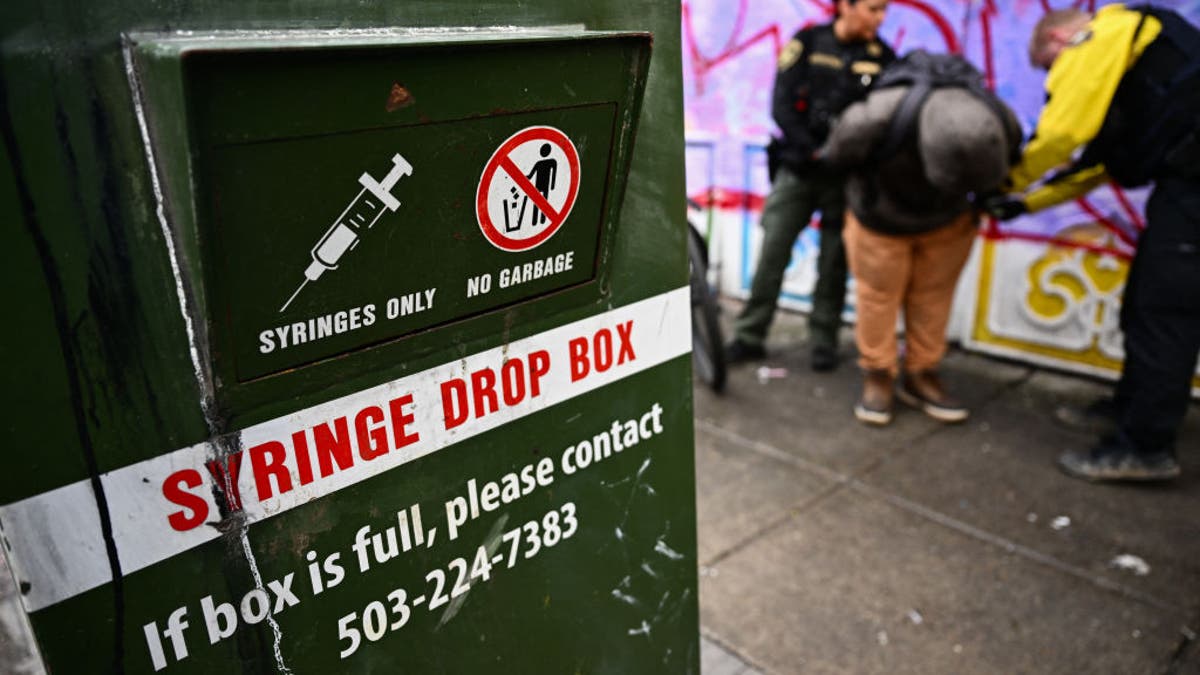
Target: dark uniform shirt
<point>818,77</point>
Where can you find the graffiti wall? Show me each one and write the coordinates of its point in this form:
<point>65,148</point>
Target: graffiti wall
<point>1045,288</point>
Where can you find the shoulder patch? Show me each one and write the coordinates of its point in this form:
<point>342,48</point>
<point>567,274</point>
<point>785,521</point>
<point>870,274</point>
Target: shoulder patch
<point>790,54</point>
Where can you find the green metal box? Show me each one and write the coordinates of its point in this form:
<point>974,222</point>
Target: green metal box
<point>347,347</point>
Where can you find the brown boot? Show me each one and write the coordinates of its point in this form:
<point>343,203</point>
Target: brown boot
<point>875,406</point>
<point>924,391</point>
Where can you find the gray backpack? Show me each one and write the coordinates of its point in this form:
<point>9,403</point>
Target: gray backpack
<point>923,72</point>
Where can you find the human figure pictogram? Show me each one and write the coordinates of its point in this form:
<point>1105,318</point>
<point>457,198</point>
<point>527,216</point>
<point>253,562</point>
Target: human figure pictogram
<point>543,175</point>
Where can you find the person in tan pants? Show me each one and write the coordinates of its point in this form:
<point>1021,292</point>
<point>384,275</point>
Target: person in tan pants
<point>910,223</point>
<point>917,273</point>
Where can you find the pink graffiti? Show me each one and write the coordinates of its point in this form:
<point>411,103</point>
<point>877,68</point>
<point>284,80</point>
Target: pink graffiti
<point>938,20</point>
<point>1124,226</point>
<point>988,13</point>
<point>1057,241</point>
<point>1075,4</point>
<point>722,198</point>
<point>703,64</point>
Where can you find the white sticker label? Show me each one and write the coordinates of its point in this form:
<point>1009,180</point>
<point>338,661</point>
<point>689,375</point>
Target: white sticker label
<point>167,505</point>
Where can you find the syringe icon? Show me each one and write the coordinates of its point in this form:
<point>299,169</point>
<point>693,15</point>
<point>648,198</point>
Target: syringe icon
<point>360,214</point>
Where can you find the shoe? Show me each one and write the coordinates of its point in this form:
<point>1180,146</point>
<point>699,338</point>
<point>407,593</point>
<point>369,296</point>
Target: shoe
<point>924,391</point>
<point>1110,461</point>
<point>1098,418</point>
<point>823,359</point>
<point>875,406</point>
<point>741,352</point>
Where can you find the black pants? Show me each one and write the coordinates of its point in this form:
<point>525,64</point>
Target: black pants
<point>1160,318</point>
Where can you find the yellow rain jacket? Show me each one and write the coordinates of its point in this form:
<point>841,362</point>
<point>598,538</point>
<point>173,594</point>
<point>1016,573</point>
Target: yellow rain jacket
<point>1079,88</point>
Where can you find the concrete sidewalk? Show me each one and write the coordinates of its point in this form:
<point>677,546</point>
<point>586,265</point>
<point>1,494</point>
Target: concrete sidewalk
<point>830,547</point>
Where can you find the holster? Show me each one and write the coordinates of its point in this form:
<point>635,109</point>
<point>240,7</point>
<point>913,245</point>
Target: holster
<point>774,158</point>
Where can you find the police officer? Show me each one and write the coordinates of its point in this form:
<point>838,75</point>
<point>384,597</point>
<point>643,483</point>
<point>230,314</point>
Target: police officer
<point>822,70</point>
<point>1125,84</point>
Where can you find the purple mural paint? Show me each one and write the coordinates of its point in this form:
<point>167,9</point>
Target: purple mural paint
<point>730,51</point>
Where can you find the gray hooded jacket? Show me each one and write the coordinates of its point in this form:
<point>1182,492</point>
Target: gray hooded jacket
<point>960,148</point>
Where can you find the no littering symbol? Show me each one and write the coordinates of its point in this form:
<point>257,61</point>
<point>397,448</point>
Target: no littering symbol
<point>527,188</point>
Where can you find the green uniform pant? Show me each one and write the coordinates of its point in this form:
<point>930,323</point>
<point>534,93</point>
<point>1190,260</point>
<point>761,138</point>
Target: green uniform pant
<point>788,209</point>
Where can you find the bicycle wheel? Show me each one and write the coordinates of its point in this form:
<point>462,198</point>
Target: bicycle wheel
<point>708,357</point>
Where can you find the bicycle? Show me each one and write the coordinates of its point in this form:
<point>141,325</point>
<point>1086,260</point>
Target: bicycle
<point>708,347</point>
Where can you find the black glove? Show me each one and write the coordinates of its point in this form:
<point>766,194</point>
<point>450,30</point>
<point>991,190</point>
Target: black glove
<point>819,163</point>
<point>1001,206</point>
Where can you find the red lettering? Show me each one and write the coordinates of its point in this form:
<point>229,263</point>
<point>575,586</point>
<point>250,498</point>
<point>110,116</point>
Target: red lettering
<point>372,441</point>
<point>401,420</point>
<point>454,402</point>
<point>483,385</point>
<point>579,360</point>
<point>303,461</point>
<point>539,365</point>
<point>267,460</point>
<point>625,333</point>
<point>512,381</point>
<point>602,346</point>
<point>333,445</point>
<point>173,490</point>
<point>225,477</point>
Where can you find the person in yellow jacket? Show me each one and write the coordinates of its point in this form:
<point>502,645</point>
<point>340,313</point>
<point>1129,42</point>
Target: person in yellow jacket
<point>1123,84</point>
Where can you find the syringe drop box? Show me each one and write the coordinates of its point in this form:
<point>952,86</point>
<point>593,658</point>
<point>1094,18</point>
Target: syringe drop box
<point>518,144</point>
<point>347,351</point>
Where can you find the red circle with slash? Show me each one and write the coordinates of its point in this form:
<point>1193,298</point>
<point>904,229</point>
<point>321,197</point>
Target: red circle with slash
<point>514,213</point>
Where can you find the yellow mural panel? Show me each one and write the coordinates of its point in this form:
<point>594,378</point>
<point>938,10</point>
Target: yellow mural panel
<point>1054,304</point>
